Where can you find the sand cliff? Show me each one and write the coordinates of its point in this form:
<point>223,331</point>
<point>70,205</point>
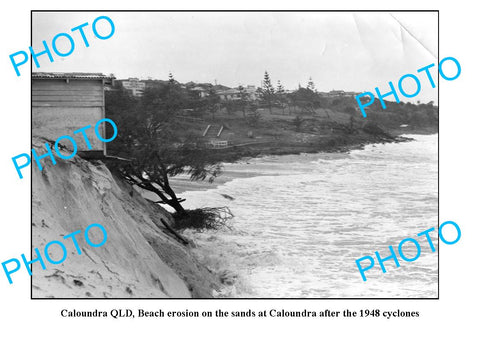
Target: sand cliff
<point>140,258</point>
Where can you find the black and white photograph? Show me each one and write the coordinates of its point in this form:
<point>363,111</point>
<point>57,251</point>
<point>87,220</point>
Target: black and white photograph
<point>235,154</point>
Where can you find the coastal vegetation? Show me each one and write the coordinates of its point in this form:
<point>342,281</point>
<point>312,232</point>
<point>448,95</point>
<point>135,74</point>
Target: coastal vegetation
<point>148,138</point>
<point>162,133</point>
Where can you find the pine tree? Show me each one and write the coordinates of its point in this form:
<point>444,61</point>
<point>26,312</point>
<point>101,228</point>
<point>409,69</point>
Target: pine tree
<point>280,89</point>
<point>268,92</point>
<point>281,97</point>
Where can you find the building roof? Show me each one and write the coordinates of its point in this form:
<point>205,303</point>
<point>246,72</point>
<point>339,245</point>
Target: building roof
<point>128,79</point>
<point>68,75</point>
<point>229,91</point>
<point>199,88</point>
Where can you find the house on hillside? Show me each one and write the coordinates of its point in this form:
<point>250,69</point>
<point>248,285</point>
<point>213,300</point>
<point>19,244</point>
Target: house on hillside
<point>202,92</point>
<point>336,93</point>
<point>252,92</point>
<point>230,94</point>
<point>134,85</point>
<point>235,93</point>
<point>65,102</point>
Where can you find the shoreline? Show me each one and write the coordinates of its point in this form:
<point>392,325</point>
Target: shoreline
<point>181,184</point>
<point>271,216</point>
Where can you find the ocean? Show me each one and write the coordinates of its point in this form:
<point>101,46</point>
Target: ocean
<point>301,221</point>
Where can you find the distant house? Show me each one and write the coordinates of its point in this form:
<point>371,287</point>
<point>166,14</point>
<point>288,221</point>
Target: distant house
<point>338,93</point>
<point>65,102</point>
<point>202,92</point>
<point>136,86</point>
<point>235,93</point>
<point>252,92</point>
<point>230,94</point>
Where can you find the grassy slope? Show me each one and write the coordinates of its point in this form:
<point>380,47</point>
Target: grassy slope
<point>328,129</point>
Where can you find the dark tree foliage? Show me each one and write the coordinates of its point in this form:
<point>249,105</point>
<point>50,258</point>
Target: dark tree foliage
<point>297,122</point>
<point>154,142</point>
<point>212,102</point>
<point>281,96</point>
<point>208,104</point>
<point>155,163</point>
<point>230,106</point>
<point>268,92</point>
<point>253,117</point>
<point>350,110</point>
<point>243,103</point>
<point>306,99</point>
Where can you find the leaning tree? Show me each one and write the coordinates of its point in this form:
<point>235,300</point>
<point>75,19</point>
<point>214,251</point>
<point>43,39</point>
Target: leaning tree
<point>155,144</point>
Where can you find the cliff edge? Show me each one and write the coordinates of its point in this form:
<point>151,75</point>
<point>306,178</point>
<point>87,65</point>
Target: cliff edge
<point>140,258</point>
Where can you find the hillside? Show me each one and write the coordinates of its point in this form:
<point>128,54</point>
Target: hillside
<point>302,121</point>
<point>336,127</point>
<point>140,258</point>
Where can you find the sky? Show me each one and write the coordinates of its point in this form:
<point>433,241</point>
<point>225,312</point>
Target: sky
<point>351,51</point>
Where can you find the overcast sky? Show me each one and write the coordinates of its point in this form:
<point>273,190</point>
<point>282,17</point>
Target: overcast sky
<point>339,50</point>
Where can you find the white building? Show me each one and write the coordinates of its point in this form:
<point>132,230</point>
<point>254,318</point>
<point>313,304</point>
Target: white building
<point>235,94</point>
<point>133,84</point>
